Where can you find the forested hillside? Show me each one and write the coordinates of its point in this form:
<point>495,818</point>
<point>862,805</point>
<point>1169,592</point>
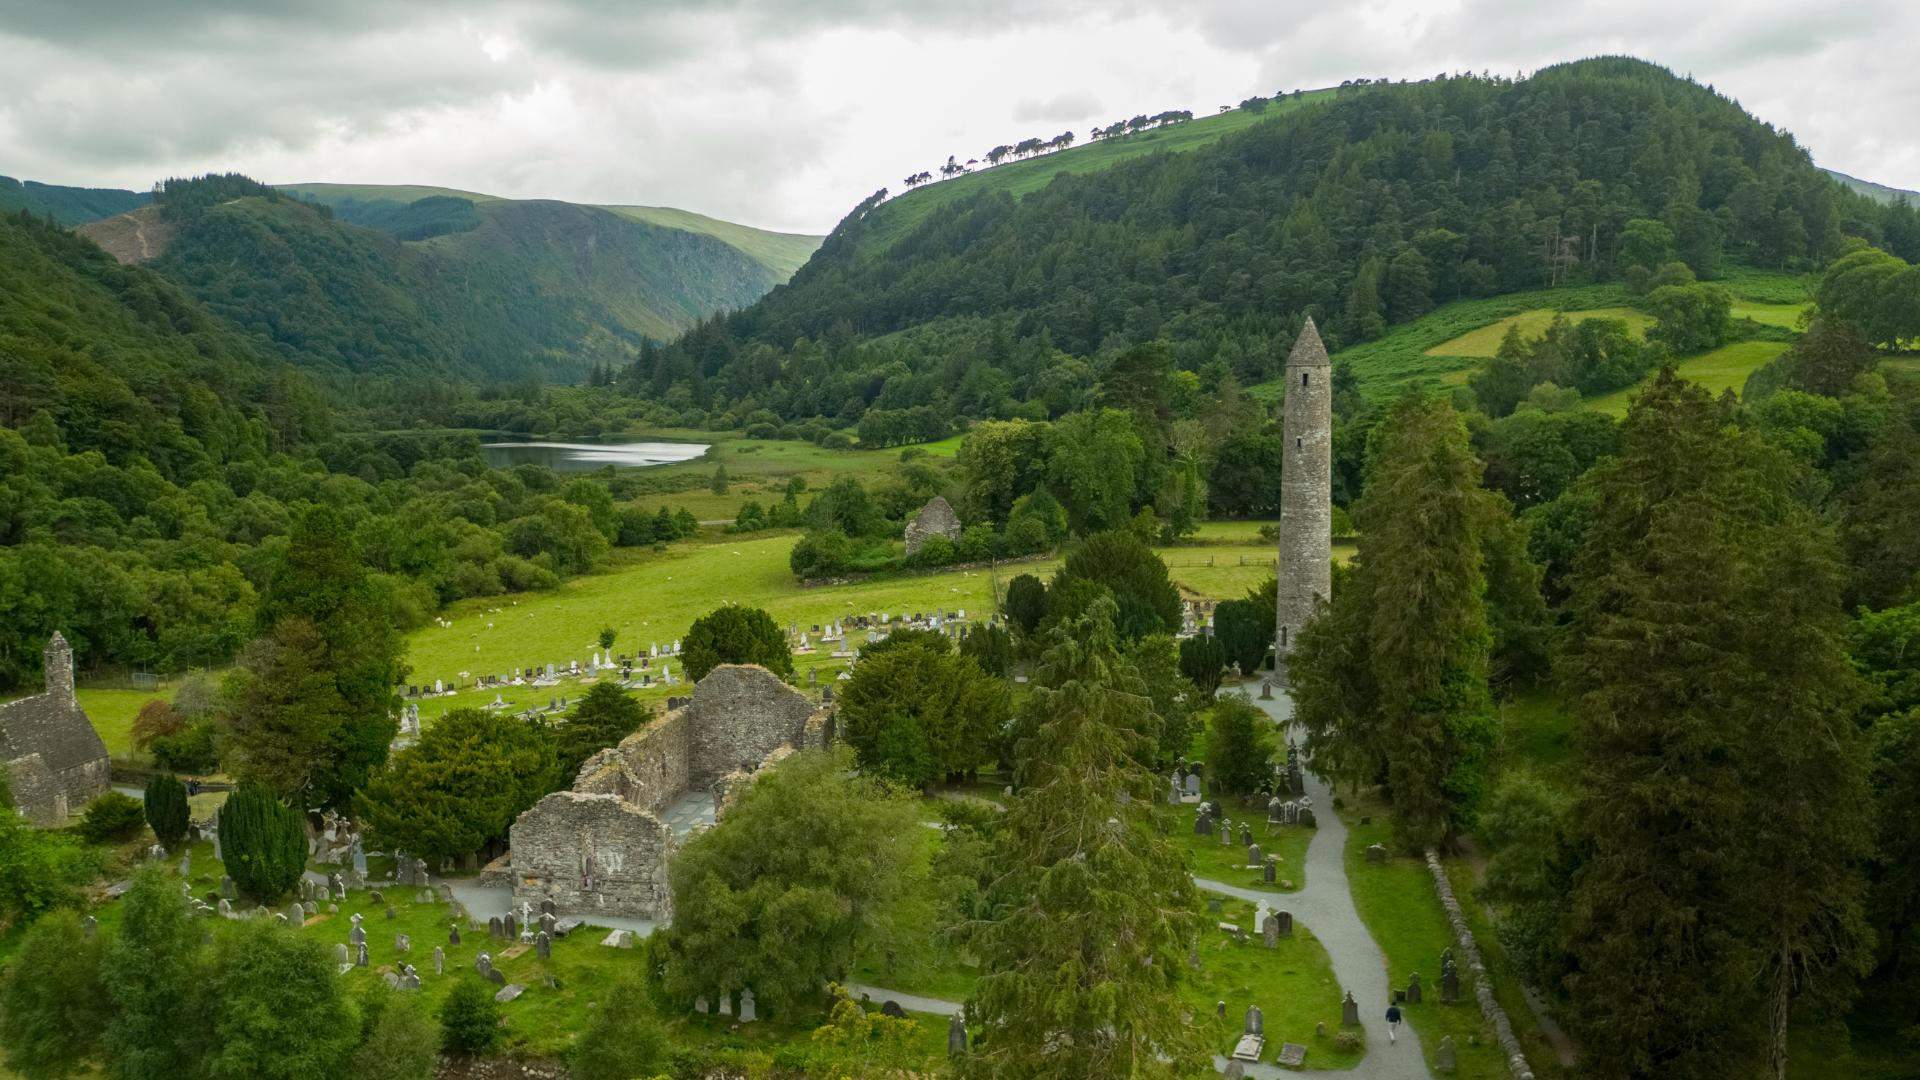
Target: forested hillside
<point>67,205</point>
<point>1365,210</point>
<point>439,286</point>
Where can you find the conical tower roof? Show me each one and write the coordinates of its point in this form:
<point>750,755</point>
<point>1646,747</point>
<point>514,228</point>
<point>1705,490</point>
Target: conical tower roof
<point>1308,349</point>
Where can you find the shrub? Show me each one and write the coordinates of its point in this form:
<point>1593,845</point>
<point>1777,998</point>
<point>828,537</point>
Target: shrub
<point>190,751</point>
<point>735,635</point>
<point>1242,634</point>
<point>156,719</point>
<point>991,647</point>
<point>1346,1041</point>
<point>934,551</point>
<point>1239,745</point>
<point>624,1039</point>
<point>263,842</point>
<point>112,816</point>
<point>1201,661</point>
<point>166,808</point>
<point>976,543</point>
<point>1026,602</point>
<point>469,1018</point>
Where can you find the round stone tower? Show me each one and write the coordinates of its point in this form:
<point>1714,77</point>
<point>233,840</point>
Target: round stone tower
<point>1305,569</point>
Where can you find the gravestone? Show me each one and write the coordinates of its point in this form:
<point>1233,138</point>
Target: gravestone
<point>186,865</point>
<point>1376,853</point>
<point>228,890</point>
<point>340,955</point>
<point>1307,819</point>
<point>310,908</point>
<point>1413,989</point>
<point>1266,689</point>
<point>1219,1010</point>
<point>1203,825</point>
<point>510,927</point>
<point>547,908</point>
<point>402,943</point>
<point>1446,1059</point>
<point>956,1036</point>
<point>700,1005</point>
<point>453,933</point>
<point>509,992</point>
<point>1285,919</point>
<point>1246,835</point>
<point>296,914</point>
<point>1270,931</point>
<point>1256,1021</point>
<point>483,964</point>
<point>543,945</point>
<point>1350,1011</point>
<point>1292,1056</point>
<point>439,960</point>
<point>391,914</point>
<point>1226,833</point>
<point>360,958</point>
<point>495,928</point>
<point>357,935</point>
<point>1234,1071</point>
<point>226,908</point>
<point>1193,785</point>
<point>494,977</point>
<point>376,897</point>
<point>1449,979</point>
<point>1268,870</point>
<point>1255,857</point>
<point>619,939</point>
<point>749,1012</point>
<point>1275,811</point>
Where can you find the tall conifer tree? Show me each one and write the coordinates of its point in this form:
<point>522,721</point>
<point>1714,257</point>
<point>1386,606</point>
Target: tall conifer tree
<point>1722,798</point>
<point>1085,953</point>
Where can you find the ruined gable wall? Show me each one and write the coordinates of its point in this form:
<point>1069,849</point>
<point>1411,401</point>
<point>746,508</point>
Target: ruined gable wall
<point>630,849</point>
<point>740,713</point>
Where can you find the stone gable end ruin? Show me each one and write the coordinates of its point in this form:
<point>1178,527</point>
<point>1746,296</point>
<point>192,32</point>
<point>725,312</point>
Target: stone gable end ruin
<point>605,845</point>
<point>55,761</point>
<point>934,519</point>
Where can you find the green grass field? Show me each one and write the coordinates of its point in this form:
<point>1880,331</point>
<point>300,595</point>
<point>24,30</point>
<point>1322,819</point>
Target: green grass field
<point>1397,902</point>
<point>1208,858</point>
<point>651,596</point>
<point>1293,985</point>
<point>1724,368</point>
<point>1485,341</point>
<point>895,217</point>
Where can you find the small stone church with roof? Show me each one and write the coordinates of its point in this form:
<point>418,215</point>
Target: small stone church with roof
<point>55,761</point>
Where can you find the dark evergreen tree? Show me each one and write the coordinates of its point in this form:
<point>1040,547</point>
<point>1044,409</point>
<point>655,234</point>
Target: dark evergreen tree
<point>263,842</point>
<point>166,808</point>
<point>735,635</point>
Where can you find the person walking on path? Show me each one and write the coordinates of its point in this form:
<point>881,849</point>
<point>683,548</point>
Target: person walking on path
<point>1393,1023</point>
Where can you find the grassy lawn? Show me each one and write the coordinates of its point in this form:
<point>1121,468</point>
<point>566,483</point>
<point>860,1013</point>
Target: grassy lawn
<point>1785,316</point>
<point>1485,341</point>
<point>1397,902</point>
<point>653,596</point>
<point>1724,368</point>
<point>1293,984</point>
<point>1208,858</point>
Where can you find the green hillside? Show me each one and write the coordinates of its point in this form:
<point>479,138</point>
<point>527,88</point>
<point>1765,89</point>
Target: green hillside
<point>1017,178</point>
<point>67,205</point>
<point>1877,192</point>
<point>499,288</point>
<point>1366,207</point>
<point>371,204</point>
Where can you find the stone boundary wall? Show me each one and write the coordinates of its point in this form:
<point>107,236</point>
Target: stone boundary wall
<point>650,768</point>
<point>1470,960</point>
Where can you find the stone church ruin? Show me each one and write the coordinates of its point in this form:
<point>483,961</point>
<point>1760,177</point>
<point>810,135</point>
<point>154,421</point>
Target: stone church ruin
<point>604,845</point>
<point>55,761</point>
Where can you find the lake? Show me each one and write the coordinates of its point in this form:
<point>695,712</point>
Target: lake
<point>586,453</point>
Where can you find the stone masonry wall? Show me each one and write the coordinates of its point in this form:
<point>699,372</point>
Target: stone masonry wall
<point>1470,961</point>
<point>1305,568</point>
<point>593,853</point>
<point>650,768</point>
<point>739,714</point>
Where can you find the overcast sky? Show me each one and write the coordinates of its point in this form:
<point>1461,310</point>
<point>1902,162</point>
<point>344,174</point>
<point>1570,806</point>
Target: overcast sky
<point>783,113</point>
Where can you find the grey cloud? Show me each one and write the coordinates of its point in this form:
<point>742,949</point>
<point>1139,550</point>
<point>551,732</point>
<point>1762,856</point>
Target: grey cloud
<point>1060,108</point>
